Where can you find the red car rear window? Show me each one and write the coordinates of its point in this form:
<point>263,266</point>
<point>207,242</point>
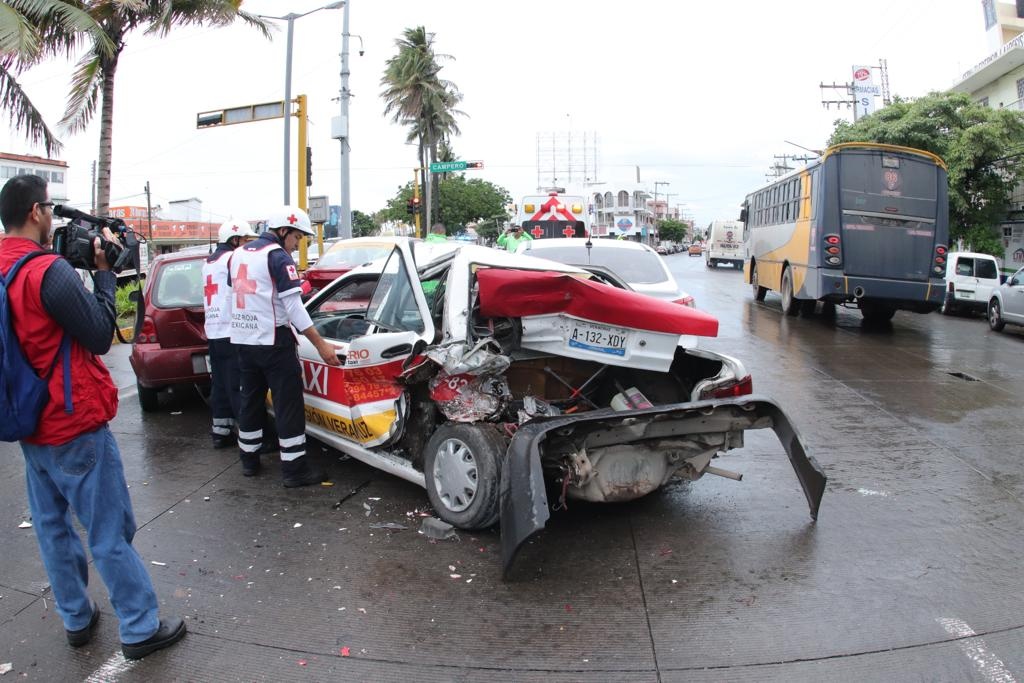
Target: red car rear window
<point>179,284</point>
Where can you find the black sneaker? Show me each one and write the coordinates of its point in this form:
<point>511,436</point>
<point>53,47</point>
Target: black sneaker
<point>83,635</point>
<point>171,631</point>
<point>250,463</point>
<point>298,472</point>
<point>223,441</point>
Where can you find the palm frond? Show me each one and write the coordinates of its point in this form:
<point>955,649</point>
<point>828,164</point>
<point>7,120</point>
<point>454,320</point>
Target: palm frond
<point>17,36</point>
<point>84,93</point>
<point>24,115</point>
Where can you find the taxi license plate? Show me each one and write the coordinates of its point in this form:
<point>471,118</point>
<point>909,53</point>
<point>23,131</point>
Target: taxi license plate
<point>599,338</point>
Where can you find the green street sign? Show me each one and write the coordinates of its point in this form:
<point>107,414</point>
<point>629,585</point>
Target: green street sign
<point>446,166</point>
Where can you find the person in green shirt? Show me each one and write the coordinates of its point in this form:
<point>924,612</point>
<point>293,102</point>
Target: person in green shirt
<point>513,237</point>
<point>437,233</point>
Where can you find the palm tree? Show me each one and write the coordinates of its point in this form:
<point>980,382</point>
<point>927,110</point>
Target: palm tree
<point>93,79</point>
<point>415,95</point>
<point>30,31</point>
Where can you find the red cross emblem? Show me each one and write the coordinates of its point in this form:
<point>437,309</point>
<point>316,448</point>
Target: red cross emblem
<point>293,219</point>
<point>242,285</point>
<point>537,232</point>
<point>569,231</point>
<point>210,290</point>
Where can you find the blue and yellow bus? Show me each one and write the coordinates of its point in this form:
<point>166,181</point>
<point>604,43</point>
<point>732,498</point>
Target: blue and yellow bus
<point>864,225</point>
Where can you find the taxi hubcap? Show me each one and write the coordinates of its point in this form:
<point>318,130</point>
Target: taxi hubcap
<point>455,476</point>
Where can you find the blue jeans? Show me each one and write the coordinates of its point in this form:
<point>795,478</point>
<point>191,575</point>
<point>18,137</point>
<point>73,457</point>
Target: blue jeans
<point>85,475</point>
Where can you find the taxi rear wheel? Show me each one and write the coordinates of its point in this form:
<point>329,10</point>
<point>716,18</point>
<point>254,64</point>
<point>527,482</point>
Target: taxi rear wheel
<point>462,467</point>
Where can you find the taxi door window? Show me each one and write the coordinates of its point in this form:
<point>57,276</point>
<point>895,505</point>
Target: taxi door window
<point>393,304</point>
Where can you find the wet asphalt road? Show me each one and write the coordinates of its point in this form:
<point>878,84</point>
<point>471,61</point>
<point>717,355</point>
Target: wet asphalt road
<point>910,573</point>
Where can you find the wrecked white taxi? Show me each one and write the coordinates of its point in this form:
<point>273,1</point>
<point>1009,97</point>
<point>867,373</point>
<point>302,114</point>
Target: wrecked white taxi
<point>484,376</point>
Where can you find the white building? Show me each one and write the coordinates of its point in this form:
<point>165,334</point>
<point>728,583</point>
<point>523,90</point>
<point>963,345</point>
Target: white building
<point>51,170</point>
<point>623,209</point>
<point>998,81</point>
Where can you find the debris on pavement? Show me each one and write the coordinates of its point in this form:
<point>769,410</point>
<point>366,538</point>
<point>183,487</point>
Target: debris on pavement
<point>5,667</point>
<point>390,526</point>
<point>25,525</point>
<point>158,564</point>
<point>297,525</point>
<point>345,652</point>
<point>432,527</point>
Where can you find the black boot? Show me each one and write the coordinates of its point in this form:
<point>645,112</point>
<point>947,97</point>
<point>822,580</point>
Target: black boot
<point>299,472</point>
<point>250,463</point>
<point>223,440</point>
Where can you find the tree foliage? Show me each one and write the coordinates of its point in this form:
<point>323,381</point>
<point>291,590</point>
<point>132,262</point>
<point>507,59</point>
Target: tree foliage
<point>31,31</point>
<point>672,230</point>
<point>461,202</point>
<point>417,97</point>
<point>983,147</point>
<point>92,83</point>
<point>363,225</point>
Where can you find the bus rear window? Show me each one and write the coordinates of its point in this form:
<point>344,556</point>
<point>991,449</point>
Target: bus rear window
<point>871,181</point>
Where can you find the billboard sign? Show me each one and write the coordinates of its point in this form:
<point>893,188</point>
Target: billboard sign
<point>864,91</point>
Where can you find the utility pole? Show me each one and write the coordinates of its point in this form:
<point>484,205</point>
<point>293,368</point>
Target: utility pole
<point>883,66</point>
<point>149,214</point>
<point>93,209</point>
<point>780,167</point>
<point>847,88</point>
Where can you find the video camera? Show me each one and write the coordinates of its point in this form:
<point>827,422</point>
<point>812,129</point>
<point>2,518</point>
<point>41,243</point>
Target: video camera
<point>74,241</point>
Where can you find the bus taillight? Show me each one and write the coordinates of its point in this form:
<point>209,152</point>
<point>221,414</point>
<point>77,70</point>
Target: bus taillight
<point>939,269</point>
<point>833,250</point>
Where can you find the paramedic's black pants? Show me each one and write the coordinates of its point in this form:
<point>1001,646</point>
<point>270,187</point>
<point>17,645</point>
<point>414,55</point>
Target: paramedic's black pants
<point>225,399</point>
<point>275,368</point>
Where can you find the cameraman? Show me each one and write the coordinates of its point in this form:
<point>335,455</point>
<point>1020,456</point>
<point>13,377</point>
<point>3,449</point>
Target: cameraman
<point>73,461</point>
<point>513,237</point>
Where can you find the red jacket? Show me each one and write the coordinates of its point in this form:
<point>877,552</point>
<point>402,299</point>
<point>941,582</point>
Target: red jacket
<point>93,393</point>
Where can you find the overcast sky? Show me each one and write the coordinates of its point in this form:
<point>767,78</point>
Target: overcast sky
<point>700,95</point>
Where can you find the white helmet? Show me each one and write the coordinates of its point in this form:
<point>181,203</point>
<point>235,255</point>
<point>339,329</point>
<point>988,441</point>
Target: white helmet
<point>290,217</point>
<point>234,228</point>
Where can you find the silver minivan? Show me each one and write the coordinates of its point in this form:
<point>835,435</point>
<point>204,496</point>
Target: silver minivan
<point>1007,303</point>
<point>970,279</point>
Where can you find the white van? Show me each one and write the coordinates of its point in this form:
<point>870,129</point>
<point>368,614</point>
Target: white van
<point>970,279</point>
<point>725,244</point>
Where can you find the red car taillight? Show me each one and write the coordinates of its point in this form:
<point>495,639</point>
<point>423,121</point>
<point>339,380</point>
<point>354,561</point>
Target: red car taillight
<point>740,387</point>
<point>686,301</point>
<point>147,335</point>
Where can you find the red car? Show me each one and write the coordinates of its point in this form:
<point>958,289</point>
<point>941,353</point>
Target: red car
<point>170,343</point>
<point>342,257</point>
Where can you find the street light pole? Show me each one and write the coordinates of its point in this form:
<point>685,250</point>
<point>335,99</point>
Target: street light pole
<point>290,18</point>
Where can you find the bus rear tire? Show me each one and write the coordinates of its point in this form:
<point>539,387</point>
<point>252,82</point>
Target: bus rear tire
<point>790,304</point>
<point>877,313</point>
<point>759,291</point>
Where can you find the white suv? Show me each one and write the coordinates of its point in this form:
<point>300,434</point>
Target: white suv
<point>1007,303</point>
<point>970,280</point>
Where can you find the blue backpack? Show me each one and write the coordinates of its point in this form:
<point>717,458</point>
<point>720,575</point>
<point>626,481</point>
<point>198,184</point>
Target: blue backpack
<point>23,393</point>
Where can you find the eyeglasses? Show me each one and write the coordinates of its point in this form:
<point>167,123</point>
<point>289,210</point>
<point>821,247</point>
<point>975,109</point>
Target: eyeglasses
<point>45,204</point>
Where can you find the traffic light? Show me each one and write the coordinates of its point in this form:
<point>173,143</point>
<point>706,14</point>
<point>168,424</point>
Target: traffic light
<point>413,206</point>
<point>474,164</point>
<point>309,167</point>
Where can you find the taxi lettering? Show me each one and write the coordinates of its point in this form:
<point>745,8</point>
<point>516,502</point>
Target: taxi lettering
<point>314,378</point>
